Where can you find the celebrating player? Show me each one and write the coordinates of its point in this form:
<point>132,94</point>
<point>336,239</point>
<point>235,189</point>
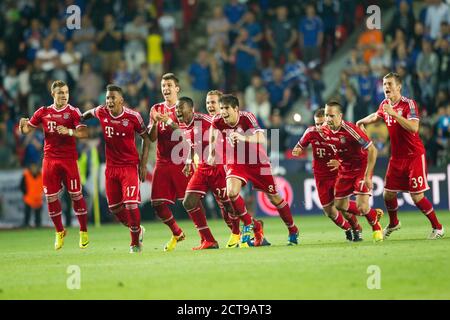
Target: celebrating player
<point>407,166</point>
<point>358,156</point>
<point>168,179</point>
<point>61,125</point>
<point>248,161</point>
<point>325,168</point>
<point>124,168</point>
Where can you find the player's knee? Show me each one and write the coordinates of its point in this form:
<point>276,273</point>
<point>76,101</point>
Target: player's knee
<point>232,193</point>
<point>116,209</point>
<point>363,207</point>
<point>76,196</point>
<point>156,204</point>
<point>416,197</point>
<point>189,203</point>
<point>387,195</point>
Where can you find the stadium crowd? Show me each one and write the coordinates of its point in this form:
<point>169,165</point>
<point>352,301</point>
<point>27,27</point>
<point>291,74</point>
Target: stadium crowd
<point>270,53</point>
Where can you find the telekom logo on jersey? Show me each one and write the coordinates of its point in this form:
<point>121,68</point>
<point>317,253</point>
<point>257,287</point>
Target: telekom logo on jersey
<point>51,125</point>
<point>109,131</point>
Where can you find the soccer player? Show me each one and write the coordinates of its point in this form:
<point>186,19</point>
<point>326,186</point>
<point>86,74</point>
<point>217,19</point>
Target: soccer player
<point>247,161</point>
<point>61,125</point>
<point>358,156</point>
<point>325,170</point>
<point>124,168</point>
<point>169,181</point>
<point>407,166</point>
<point>205,177</point>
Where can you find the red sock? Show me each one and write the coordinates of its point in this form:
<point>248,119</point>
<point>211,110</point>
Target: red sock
<point>199,219</point>
<point>225,216</point>
<point>54,211</point>
<point>353,221</point>
<point>285,213</point>
<point>79,206</point>
<point>239,207</point>
<point>163,212</point>
<point>231,219</point>
<point>371,217</point>
<point>341,222</point>
<point>392,208</point>
<point>427,208</point>
<point>135,222</point>
<point>353,208</point>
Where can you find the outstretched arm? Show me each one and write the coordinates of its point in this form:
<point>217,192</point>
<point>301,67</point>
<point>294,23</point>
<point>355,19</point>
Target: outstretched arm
<point>371,118</point>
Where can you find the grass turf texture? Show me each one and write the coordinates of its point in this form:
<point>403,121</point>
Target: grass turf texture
<point>323,266</point>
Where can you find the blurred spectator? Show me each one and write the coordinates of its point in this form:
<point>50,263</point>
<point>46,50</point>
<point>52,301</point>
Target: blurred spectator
<point>254,28</point>
<point>427,66</point>
<point>354,108</point>
<point>47,55</point>
<point>432,147</point>
<point>260,107</point>
<point>246,57</point>
<point>109,45</point>
<point>310,35</point>
<point>368,41</point>
<point>38,84</point>
<point>167,25</point>
<point>354,62</point>
<point>328,11</point>
<point>33,37</point>
<point>366,87</point>
<point>84,37</point>
<point>221,68</point>
<point>94,59</point>
<point>11,83</point>
<point>217,27</point>
<point>250,91</point>
<point>122,76</point>
<point>316,88</point>
<point>401,57</point>
<point>135,34</point>
<point>200,79</point>
<point>281,36</point>
<point>155,54</point>
<point>379,61</point>
<point>71,61</point>
<point>234,11</point>
<point>407,81</point>
<point>56,35</point>
<point>132,96</point>
<point>32,188</point>
<point>279,93</point>
<point>444,65</point>
<point>437,12</point>
<point>89,85</point>
<point>146,83</point>
<point>403,19</point>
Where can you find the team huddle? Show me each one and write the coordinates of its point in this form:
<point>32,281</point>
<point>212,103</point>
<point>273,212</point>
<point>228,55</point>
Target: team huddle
<point>221,152</point>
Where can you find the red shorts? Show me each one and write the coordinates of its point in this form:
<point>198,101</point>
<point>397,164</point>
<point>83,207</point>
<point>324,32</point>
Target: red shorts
<point>259,175</point>
<point>325,189</point>
<point>209,178</point>
<point>122,185</point>
<point>169,182</point>
<point>407,175</point>
<point>347,186</point>
<point>56,172</point>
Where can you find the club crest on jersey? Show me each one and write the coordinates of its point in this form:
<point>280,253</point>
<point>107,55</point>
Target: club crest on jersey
<point>400,113</point>
<point>125,122</point>
<point>66,116</point>
<point>342,140</point>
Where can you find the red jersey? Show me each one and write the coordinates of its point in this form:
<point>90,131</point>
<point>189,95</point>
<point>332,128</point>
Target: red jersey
<point>351,145</point>
<point>404,144</point>
<point>322,151</point>
<point>119,133</point>
<point>164,144</point>
<point>241,153</point>
<point>197,134</point>
<point>57,145</point>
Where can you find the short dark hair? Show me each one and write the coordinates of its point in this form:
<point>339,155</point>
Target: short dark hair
<point>319,113</point>
<point>230,100</point>
<point>113,87</point>
<point>394,75</point>
<point>170,76</point>
<point>186,100</point>
<point>335,103</point>
<point>58,84</point>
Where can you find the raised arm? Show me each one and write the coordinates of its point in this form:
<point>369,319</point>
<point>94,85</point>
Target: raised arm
<point>371,118</point>
<point>24,127</point>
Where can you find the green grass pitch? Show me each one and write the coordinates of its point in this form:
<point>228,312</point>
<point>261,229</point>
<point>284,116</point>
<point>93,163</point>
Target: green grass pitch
<point>323,266</point>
